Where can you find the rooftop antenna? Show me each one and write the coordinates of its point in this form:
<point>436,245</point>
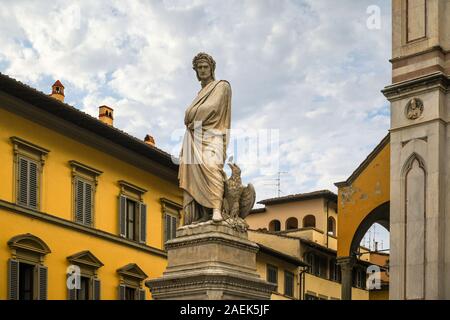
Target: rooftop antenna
<point>278,182</point>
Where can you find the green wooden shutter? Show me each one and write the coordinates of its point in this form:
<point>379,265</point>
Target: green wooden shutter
<point>88,195</point>
<point>42,278</point>
<point>122,292</point>
<point>174,228</point>
<point>122,215</point>
<point>141,294</point>
<point>13,279</point>
<point>167,227</point>
<point>33,185</point>
<point>143,223</point>
<point>22,182</point>
<point>79,201</point>
<point>96,289</point>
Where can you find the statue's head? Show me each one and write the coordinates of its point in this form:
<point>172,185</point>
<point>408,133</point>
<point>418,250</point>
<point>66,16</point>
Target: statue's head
<point>204,66</point>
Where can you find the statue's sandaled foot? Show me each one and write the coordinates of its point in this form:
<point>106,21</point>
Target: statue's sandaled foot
<point>217,215</point>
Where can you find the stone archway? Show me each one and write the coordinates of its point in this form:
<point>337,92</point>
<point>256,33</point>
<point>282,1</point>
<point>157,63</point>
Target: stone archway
<point>379,215</point>
<point>364,199</point>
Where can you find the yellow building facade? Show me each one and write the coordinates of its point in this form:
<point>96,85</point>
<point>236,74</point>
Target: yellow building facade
<point>364,199</point>
<point>78,195</point>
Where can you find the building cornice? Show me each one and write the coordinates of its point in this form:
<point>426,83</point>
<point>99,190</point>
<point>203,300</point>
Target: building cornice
<point>80,228</point>
<point>326,194</point>
<point>282,256</point>
<point>365,163</point>
<point>417,54</point>
<point>400,89</point>
<point>69,121</point>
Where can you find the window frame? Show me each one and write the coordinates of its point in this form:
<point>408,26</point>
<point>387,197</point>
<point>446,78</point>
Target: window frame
<point>86,175</point>
<point>292,282</point>
<point>314,259</point>
<point>334,271</point>
<point>290,220</point>
<point>331,232</point>
<point>88,265</point>
<point>359,277</point>
<point>275,223</point>
<point>304,220</point>
<point>131,192</point>
<point>268,269</point>
<point>32,269</point>
<point>31,153</point>
<point>135,221</point>
<point>172,209</point>
<point>29,249</point>
<point>131,276</point>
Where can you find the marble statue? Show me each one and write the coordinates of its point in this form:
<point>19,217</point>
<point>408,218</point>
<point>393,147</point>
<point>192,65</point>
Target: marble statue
<point>203,154</point>
<point>201,175</point>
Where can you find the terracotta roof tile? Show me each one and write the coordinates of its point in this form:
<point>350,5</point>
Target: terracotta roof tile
<point>301,196</point>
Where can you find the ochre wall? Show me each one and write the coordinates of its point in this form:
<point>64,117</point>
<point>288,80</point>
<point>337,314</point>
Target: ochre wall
<point>262,260</point>
<point>57,180</point>
<point>64,242</point>
<point>368,191</point>
<point>330,289</point>
<point>298,209</point>
<point>56,200</point>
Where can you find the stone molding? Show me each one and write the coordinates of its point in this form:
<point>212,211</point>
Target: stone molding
<point>78,227</point>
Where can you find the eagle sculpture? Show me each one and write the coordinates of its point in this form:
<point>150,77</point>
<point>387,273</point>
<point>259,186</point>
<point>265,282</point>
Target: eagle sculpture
<point>238,200</point>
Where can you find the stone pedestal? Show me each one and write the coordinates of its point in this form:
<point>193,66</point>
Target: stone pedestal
<point>210,261</point>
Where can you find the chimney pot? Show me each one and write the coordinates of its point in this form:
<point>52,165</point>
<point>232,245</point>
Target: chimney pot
<point>58,91</point>
<point>149,140</point>
<point>106,115</point>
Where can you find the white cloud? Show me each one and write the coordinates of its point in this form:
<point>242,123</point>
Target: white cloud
<point>310,69</point>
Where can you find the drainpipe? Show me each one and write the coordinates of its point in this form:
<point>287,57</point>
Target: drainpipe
<point>302,278</point>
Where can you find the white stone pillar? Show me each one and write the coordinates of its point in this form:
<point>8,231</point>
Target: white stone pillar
<point>419,217</point>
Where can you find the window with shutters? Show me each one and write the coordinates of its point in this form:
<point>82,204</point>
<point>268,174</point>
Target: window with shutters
<point>130,293</point>
<point>85,181</point>
<point>27,274</point>
<point>26,281</point>
<point>29,160</point>
<point>83,292</point>
<point>335,271</point>
<point>272,274</point>
<point>131,220</point>
<point>132,213</point>
<point>289,284</point>
<point>171,219</point>
<point>82,280</point>
<point>359,277</point>
<point>131,279</point>
<point>318,264</point>
<point>171,224</point>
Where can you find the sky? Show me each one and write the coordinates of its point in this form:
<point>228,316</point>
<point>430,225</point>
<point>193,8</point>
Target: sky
<point>306,73</point>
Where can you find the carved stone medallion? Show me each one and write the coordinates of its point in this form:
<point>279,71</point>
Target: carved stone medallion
<point>414,109</point>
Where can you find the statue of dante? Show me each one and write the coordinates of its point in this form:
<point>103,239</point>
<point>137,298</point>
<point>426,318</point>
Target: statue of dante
<point>203,154</point>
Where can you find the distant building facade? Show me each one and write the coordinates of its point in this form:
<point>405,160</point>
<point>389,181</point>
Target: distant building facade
<point>305,226</point>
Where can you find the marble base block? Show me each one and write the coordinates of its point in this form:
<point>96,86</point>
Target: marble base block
<point>211,261</point>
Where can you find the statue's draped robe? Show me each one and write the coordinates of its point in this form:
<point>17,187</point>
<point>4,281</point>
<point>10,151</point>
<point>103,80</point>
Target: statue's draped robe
<point>203,154</point>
